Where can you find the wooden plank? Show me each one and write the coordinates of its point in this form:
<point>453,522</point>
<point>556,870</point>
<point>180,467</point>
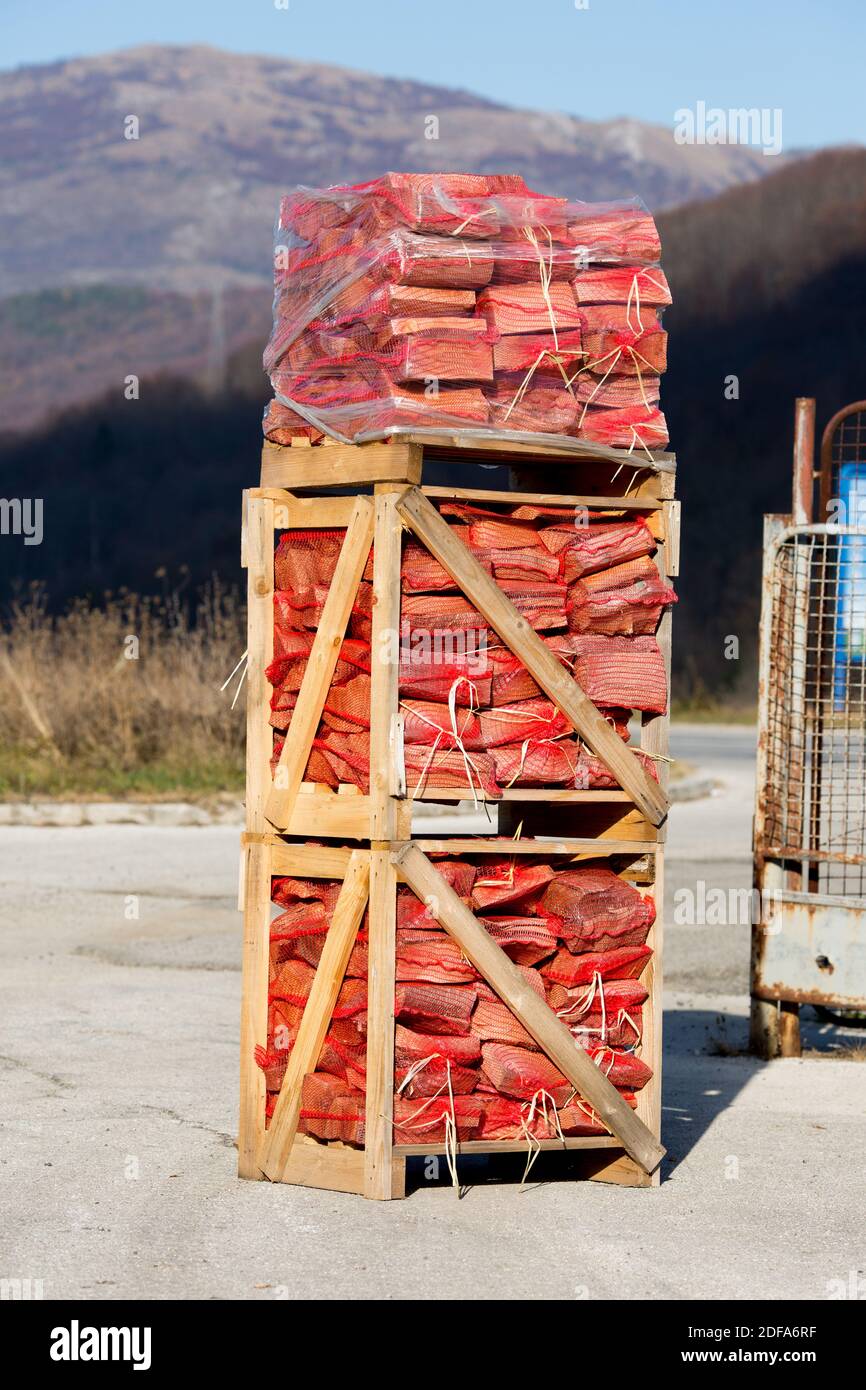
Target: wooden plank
<point>254,1006</point>
<point>257,534</point>
<point>384,662</point>
<point>547,795</point>
<point>485,443</point>
<point>649,1099</point>
<point>624,1172</point>
<point>511,1146</point>
<point>551,1034</point>
<point>544,499</point>
<point>539,660</point>
<point>672,537</point>
<point>310,861</point>
<point>293,513</point>
<point>342,465</point>
<point>276,1145</point>
<point>574,848</point>
<point>332,1167</point>
<point>258,550</point>
<point>319,670</point>
<point>379,1134</point>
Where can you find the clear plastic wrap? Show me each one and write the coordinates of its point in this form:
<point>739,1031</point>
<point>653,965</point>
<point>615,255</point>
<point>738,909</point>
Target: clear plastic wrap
<point>465,301</point>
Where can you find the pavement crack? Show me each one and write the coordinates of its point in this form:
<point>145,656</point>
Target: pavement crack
<point>227,1139</point>
<point>59,1081</point>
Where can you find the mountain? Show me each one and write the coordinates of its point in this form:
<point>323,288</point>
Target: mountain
<point>769,285</point>
<point>191,202</point>
<point>134,256</point>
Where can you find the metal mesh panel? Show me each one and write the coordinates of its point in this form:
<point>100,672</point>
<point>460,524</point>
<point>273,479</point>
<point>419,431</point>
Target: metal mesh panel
<point>843,448</point>
<point>814,798</point>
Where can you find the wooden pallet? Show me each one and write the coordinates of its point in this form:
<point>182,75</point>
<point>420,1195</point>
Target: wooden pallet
<point>387,497</point>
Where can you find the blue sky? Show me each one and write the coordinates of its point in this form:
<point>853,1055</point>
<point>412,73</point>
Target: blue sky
<point>642,58</point>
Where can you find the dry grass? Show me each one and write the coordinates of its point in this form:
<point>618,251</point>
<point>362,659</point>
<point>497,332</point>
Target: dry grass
<point>122,699</point>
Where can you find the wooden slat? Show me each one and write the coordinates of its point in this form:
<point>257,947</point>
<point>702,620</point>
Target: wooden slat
<point>293,513</point>
<point>319,670</point>
<point>328,1166</point>
<point>257,548</point>
<point>672,537</point>
<point>277,1143</point>
<point>384,662</point>
<point>254,1006</point>
<point>539,660</point>
<point>257,554</point>
<point>342,465</point>
<point>511,1146</point>
<point>488,445</point>
<point>310,861</point>
<point>551,1034</point>
<point>381,956</point>
<point>574,848</point>
<point>545,795</point>
<point>544,499</point>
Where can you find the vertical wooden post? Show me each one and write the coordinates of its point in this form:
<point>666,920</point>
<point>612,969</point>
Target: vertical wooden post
<point>384,660</point>
<point>382,945</point>
<point>257,552</point>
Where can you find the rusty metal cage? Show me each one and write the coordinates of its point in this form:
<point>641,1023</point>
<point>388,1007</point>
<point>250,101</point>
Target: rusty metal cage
<point>812,792</point>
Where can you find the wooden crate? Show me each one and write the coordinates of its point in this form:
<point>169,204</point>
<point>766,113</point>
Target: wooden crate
<point>629,1155</point>
<point>382,493</point>
<point>392,505</point>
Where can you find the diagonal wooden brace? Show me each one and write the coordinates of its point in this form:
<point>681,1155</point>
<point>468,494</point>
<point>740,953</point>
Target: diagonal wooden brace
<point>276,1146</point>
<point>517,634</point>
<point>537,1017</point>
<point>321,663</point>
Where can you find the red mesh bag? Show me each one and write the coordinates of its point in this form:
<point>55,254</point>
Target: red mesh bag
<point>541,763</point>
<point>587,548</point>
<point>614,234</point>
<point>623,351</point>
<point>595,910</point>
<point>417,1121</point>
<point>493,1021</point>
<point>304,559</point>
<point>435,1009</point>
<point>441,767</point>
<point>627,671</point>
<point>542,406</point>
<point>521,1074</point>
<point>434,1077</point>
<point>539,352</point>
<point>501,882</point>
<point>576,1003</point>
<point>331,1110</point>
<point>618,392</point>
<point>622,1069</point>
<point>347,707</point>
<point>630,605</point>
<point>427,723</point>
<point>537,719</point>
<point>526,940</point>
<point>527,309</point>
<point>435,959</point>
<point>622,963</point>
<point>634,287</point>
<point>421,572</point>
<point>633,427</point>
<point>412,1047</point>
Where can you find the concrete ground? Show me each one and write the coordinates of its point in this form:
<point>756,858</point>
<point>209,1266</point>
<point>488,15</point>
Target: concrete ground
<point>120,995</point>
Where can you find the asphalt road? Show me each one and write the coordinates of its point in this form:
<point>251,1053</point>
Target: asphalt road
<point>120,996</point>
